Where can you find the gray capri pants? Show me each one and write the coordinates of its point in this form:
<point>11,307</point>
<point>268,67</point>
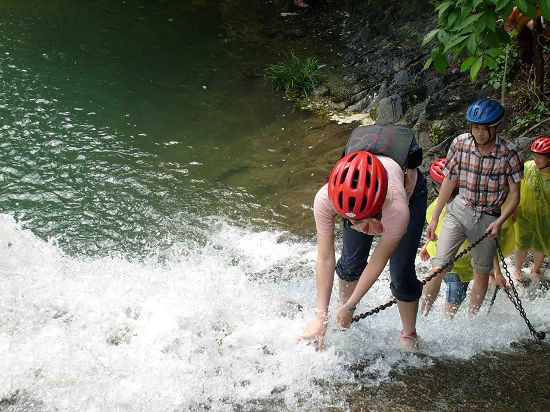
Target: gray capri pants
<point>461,223</point>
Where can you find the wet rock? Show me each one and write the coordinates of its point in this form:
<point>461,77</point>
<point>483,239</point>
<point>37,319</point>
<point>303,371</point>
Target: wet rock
<point>358,101</point>
<point>320,91</point>
<point>390,109</point>
<point>374,102</point>
<point>401,77</point>
<point>424,139</point>
<point>336,106</point>
<point>434,85</point>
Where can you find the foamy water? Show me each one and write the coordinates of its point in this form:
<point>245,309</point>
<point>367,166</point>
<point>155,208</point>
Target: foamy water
<point>213,326</point>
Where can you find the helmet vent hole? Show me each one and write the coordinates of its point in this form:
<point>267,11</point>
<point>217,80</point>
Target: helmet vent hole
<point>340,203</point>
<point>351,203</point>
<point>355,179</point>
<point>343,176</point>
<point>369,160</point>
<point>376,186</point>
<point>368,179</point>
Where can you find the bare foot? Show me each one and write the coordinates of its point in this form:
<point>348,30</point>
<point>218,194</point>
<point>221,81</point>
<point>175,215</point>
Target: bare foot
<point>301,3</point>
<point>535,275</point>
<point>409,343</point>
<point>518,279</point>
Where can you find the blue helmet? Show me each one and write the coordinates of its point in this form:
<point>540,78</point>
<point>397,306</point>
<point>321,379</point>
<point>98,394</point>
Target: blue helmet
<point>486,112</point>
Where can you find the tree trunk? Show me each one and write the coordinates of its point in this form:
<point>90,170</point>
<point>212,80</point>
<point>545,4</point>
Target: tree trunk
<point>538,58</point>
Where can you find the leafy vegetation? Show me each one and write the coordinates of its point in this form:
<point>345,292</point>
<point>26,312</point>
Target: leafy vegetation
<point>536,114</point>
<point>296,77</point>
<point>473,27</point>
<point>503,69</point>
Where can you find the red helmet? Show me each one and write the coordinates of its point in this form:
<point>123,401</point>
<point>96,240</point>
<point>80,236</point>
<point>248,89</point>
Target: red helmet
<point>436,170</point>
<point>358,185</point>
<point>541,145</point>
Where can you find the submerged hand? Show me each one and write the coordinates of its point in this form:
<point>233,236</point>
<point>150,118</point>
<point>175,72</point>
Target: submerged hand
<point>344,317</point>
<point>315,330</point>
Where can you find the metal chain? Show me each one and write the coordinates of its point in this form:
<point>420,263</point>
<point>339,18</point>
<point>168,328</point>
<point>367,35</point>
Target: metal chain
<point>540,335</point>
<point>494,297</point>
<point>392,302</point>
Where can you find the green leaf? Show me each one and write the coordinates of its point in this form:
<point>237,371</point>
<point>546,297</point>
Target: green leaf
<point>507,10</point>
<point>443,36</point>
<point>522,6</point>
<point>466,64</point>
<point>469,21</point>
<point>466,9</point>
<point>477,3</point>
<point>503,3</point>
<point>491,62</point>
<point>453,42</point>
<point>445,5</point>
<point>427,64</point>
<point>471,45</point>
<point>490,20</point>
<point>531,10</point>
<point>440,63</point>
<point>429,37</point>
<point>452,18</point>
<point>495,51</point>
<point>479,26</point>
<point>474,70</point>
<point>545,8</point>
<point>503,36</point>
<point>458,50</point>
<point>442,8</point>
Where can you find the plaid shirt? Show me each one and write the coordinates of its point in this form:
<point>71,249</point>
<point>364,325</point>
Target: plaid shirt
<point>483,180</point>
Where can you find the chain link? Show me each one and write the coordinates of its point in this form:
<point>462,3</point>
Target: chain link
<point>357,318</point>
<point>540,335</point>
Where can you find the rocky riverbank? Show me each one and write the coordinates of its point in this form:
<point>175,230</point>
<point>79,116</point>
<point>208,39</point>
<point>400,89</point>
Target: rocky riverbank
<point>377,70</point>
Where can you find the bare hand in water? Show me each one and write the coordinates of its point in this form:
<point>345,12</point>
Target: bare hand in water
<point>344,317</point>
<point>315,330</point>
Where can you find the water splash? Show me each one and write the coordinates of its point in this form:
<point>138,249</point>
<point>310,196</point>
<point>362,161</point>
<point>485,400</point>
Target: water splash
<point>211,327</point>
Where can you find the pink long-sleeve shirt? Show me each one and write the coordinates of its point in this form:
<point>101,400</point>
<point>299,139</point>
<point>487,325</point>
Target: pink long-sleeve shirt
<point>395,210</point>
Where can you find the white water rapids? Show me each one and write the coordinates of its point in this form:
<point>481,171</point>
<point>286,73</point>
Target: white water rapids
<point>212,327</point>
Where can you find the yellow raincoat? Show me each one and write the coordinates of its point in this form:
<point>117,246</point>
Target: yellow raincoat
<point>532,224</point>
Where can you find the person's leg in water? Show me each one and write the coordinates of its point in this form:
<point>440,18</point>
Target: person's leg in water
<point>538,258</point>
<point>456,293</point>
<point>483,258</point>
<point>353,260</point>
<point>478,292</point>
<point>519,258</point>
<point>450,239</point>
<point>405,286</point>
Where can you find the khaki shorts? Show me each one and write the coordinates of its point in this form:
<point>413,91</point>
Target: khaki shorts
<point>462,223</point>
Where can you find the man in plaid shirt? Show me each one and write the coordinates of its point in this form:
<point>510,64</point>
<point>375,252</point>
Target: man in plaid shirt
<point>486,171</point>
